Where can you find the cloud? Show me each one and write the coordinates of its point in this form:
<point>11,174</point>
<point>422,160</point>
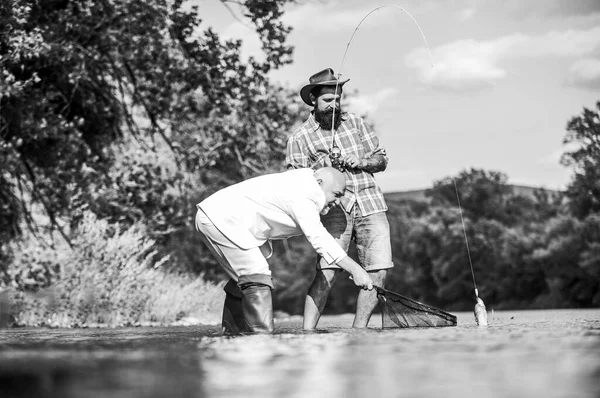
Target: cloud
<point>370,103</point>
<point>585,73</point>
<point>318,17</point>
<point>551,159</point>
<point>545,8</point>
<point>324,17</point>
<point>466,14</point>
<point>467,65</point>
<point>336,16</point>
<point>555,157</point>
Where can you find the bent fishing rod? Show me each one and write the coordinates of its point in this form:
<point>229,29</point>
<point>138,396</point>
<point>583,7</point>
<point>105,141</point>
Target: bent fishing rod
<point>336,150</point>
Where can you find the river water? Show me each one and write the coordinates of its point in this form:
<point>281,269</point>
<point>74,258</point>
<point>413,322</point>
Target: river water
<point>550,353</point>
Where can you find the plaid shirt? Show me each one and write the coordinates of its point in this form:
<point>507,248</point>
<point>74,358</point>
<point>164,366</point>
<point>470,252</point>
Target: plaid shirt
<point>309,147</point>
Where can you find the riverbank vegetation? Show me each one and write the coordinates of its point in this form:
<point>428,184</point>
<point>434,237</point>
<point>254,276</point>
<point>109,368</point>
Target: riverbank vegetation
<point>116,118</point>
<point>108,277</point>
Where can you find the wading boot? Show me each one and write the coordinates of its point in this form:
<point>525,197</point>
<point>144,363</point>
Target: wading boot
<point>257,307</point>
<point>233,316</point>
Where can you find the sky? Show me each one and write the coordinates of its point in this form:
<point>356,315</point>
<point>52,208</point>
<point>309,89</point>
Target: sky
<point>488,84</point>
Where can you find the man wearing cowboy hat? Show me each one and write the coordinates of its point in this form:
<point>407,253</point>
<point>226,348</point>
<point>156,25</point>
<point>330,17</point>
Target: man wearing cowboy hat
<point>330,137</point>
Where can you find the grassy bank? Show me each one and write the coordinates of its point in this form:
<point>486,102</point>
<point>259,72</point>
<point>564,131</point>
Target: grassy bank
<point>108,277</point>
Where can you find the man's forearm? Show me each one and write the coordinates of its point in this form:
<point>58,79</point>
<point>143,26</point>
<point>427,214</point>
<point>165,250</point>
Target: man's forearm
<point>374,164</point>
<point>349,265</point>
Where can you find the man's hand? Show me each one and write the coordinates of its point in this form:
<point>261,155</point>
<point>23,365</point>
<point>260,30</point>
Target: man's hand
<point>353,161</point>
<point>358,274</point>
<point>326,161</point>
<point>362,279</point>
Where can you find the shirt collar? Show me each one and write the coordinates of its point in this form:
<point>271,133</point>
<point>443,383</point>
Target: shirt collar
<point>312,121</point>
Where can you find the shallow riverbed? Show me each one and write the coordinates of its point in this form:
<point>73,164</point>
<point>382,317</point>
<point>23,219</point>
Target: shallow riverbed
<point>552,353</point>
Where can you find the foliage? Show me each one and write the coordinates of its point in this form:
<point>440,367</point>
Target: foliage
<point>108,278</point>
<point>525,249</point>
<point>583,133</point>
<point>481,193</point>
<point>134,111</point>
<point>570,261</point>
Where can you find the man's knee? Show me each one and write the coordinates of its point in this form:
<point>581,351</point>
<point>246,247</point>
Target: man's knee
<point>378,276</point>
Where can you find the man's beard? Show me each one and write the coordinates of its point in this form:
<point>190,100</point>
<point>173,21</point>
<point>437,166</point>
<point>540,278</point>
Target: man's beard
<point>324,118</point>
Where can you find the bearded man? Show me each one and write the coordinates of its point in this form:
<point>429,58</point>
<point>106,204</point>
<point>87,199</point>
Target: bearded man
<point>330,137</point>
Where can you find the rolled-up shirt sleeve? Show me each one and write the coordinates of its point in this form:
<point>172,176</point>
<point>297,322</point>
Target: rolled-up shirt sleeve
<point>305,213</point>
<point>295,156</point>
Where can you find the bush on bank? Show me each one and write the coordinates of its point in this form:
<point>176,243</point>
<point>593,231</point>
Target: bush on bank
<point>109,277</point>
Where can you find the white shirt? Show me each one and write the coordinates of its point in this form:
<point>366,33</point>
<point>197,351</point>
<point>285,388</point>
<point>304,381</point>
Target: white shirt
<point>273,206</point>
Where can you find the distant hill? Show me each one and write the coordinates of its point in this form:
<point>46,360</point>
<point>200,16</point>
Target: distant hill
<point>419,194</point>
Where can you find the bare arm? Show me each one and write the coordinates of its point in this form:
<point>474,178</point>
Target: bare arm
<point>374,164</point>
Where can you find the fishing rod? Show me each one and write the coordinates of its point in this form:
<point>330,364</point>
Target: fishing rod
<point>334,149</point>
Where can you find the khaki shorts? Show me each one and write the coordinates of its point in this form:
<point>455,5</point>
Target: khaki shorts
<point>370,233</point>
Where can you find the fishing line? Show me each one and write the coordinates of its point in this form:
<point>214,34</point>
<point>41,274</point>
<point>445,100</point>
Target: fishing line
<point>466,240</point>
<point>480,312</point>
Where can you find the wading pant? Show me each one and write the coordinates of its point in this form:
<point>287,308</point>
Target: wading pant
<point>248,306</point>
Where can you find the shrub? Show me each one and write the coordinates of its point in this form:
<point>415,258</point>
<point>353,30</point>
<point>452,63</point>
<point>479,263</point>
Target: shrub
<point>108,277</point>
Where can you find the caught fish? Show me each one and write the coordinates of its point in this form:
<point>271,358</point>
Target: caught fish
<point>480,313</point>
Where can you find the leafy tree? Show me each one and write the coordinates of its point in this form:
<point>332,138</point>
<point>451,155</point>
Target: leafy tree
<point>583,133</point>
<point>129,108</point>
<point>570,262</point>
<point>481,193</point>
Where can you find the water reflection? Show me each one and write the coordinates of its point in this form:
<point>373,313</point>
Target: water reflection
<point>521,354</point>
<point>282,365</point>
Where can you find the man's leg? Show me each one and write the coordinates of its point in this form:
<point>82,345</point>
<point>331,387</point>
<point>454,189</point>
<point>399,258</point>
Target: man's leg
<point>233,317</point>
<point>375,254</point>
<point>257,303</point>
<point>367,300</point>
<point>317,296</point>
<point>337,224</point>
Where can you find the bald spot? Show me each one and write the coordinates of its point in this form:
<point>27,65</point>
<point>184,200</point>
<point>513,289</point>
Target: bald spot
<point>333,179</point>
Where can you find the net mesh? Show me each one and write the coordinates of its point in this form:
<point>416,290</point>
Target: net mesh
<point>398,311</point>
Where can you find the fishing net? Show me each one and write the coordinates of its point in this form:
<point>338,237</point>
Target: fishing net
<point>398,311</point>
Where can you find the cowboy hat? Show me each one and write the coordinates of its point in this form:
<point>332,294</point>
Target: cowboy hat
<point>326,77</point>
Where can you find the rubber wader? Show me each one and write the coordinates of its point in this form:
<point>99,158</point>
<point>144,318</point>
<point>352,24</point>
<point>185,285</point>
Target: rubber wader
<point>232,309</point>
<point>247,309</point>
<point>257,307</point>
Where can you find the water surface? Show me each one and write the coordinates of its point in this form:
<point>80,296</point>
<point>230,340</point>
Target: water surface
<point>521,354</point>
